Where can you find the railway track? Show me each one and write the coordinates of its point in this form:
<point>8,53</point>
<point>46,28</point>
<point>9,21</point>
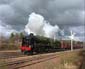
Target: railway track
<point>10,57</point>
<point>10,54</point>
<point>20,63</point>
<point>27,62</point>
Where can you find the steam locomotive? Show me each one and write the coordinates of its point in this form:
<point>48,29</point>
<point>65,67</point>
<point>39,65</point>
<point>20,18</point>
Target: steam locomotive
<point>38,44</point>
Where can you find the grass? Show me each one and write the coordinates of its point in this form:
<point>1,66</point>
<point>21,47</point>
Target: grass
<point>71,60</point>
<point>68,60</point>
<point>65,60</point>
<point>2,61</point>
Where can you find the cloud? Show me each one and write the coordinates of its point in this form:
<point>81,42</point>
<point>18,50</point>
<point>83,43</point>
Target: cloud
<point>6,12</point>
<point>5,1</point>
<point>52,10</point>
<point>79,32</point>
<point>37,25</point>
<point>64,13</point>
<point>5,30</point>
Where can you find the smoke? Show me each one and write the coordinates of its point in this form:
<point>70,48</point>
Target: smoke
<point>39,26</point>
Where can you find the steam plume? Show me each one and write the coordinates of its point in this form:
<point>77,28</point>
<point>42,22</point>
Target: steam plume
<point>39,26</point>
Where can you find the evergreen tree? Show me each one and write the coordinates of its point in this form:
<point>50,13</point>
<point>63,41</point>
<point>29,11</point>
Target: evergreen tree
<point>12,35</point>
<point>21,35</point>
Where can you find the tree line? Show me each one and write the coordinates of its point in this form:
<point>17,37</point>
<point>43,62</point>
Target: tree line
<point>11,42</point>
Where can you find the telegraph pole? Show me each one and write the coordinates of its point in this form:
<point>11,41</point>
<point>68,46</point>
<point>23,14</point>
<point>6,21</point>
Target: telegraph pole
<point>72,37</point>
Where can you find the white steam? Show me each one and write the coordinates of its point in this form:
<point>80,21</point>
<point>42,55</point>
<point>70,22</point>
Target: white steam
<point>39,26</point>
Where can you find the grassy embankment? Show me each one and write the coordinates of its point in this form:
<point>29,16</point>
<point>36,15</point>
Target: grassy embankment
<point>67,60</point>
<point>64,60</point>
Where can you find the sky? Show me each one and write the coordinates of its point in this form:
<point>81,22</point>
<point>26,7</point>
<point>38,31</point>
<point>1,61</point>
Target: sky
<point>66,14</point>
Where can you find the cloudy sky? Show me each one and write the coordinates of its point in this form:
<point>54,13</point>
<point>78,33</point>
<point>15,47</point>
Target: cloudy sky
<point>67,14</point>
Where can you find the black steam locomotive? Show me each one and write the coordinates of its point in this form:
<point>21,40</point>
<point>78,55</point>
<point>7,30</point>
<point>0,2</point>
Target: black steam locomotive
<point>38,44</point>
